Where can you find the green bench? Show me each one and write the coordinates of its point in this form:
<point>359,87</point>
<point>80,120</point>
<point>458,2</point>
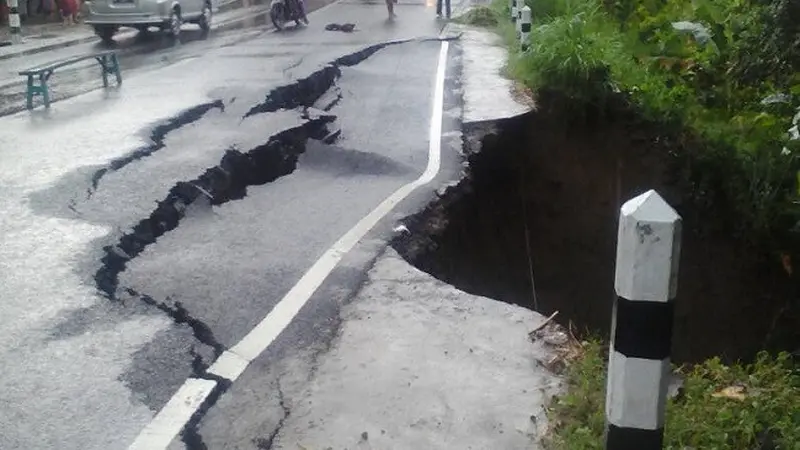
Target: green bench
<point>109,64</point>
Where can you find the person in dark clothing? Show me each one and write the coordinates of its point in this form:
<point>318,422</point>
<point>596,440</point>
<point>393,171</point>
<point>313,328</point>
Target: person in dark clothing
<point>439,8</point>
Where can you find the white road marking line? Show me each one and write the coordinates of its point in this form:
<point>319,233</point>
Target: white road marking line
<point>169,421</point>
<point>230,365</point>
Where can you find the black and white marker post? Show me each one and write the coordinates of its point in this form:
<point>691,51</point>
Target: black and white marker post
<point>514,11</point>
<point>525,27</point>
<point>13,22</point>
<point>648,250</point>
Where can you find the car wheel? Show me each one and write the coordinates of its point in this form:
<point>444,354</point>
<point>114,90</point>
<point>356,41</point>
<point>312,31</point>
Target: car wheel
<point>106,33</point>
<point>175,22</point>
<point>277,14</point>
<point>205,18</point>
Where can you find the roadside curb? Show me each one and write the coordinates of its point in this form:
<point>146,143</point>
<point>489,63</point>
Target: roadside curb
<point>224,7</point>
<point>47,47</point>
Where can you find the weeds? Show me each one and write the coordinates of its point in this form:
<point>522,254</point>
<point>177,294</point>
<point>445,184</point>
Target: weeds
<point>751,406</point>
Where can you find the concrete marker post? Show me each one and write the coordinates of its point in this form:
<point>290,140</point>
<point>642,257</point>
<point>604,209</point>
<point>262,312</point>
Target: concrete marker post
<point>514,11</point>
<point>518,20</point>
<point>14,22</point>
<point>648,250</point>
<point>525,27</point>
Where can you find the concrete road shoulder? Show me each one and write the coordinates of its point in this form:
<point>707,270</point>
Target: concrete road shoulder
<point>420,364</point>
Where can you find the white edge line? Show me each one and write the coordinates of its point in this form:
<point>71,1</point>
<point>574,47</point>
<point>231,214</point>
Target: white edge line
<point>169,421</point>
<point>232,363</point>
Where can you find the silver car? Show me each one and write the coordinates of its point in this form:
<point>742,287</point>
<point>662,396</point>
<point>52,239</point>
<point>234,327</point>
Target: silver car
<point>107,16</point>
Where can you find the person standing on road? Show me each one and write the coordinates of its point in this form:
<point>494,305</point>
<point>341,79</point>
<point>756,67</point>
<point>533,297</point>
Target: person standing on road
<point>69,11</point>
<point>439,7</point>
<point>390,8</point>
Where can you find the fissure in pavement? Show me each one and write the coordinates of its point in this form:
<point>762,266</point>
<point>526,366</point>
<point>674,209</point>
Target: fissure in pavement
<point>306,91</point>
<point>225,182</point>
<point>157,137</point>
<point>180,315</point>
<point>222,183</point>
<point>269,441</point>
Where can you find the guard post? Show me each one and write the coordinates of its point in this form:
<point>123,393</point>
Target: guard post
<point>525,27</point>
<point>514,11</point>
<point>648,250</point>
<point>15,25</point>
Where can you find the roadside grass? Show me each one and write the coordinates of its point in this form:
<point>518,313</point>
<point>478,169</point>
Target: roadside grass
<point>741,407</point>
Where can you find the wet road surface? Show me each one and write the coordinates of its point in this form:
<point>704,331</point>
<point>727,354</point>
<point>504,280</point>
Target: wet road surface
<point>147,230</point>
<point>138,51</point>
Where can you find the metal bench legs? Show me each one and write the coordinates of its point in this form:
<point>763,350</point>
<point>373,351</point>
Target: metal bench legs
<point>40,89</point>
<point>110,66</point>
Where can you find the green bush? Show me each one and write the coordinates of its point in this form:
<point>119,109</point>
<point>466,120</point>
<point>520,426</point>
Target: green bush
<point>696,66</point>
<point>569,54</point>
<point>720,407</point>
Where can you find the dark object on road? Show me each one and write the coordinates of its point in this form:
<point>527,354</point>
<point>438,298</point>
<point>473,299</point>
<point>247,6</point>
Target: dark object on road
<point>283,11</point>
<point>346,27</point>
<point>109,64</point>
<point>106,17</point>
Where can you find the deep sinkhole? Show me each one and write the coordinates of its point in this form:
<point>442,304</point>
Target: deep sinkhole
<point>539,207</point>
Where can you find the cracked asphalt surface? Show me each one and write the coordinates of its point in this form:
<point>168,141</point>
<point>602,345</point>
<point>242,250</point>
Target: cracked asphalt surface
<point>147,229</point>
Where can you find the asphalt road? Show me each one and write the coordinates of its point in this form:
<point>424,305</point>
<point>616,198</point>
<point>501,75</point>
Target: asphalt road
<point>148,229</point>
<point>138,51</point>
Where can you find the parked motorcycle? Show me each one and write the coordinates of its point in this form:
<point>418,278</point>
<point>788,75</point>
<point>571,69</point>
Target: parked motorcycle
<point>283,11</point>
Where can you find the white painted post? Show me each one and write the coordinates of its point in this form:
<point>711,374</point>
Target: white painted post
<point>525,27</point>
<point>514,10</point>
<point>518,20</point>
<point>13,22</point>
<point>648,250</point>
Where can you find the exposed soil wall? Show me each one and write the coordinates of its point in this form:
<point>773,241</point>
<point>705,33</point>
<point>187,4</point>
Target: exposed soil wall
<point>561,183</point>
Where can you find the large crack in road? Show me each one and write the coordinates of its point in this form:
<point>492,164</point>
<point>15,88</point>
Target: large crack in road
<point>224,182</point>
<point>227,181</point>
<point>306,91</point>
<point>157,137</point>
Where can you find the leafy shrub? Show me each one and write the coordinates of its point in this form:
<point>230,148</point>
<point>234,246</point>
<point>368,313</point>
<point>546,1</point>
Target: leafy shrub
<point>693,65</point>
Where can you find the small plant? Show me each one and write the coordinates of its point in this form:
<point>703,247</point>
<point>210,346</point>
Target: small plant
<point>577,416</point>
